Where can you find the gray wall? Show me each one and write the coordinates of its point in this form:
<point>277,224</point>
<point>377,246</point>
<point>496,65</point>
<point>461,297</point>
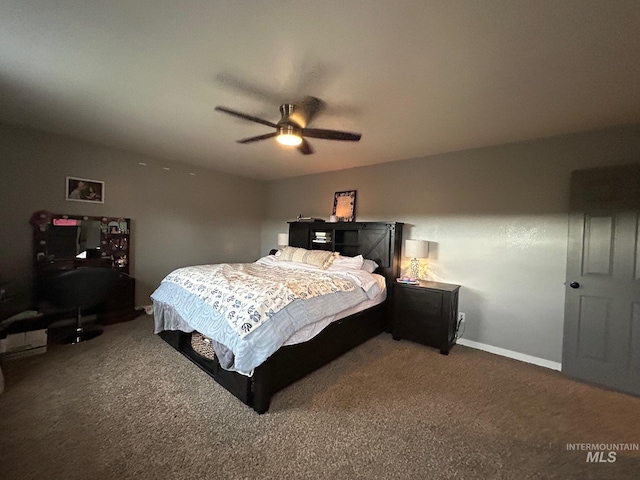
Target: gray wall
<point>177,219</point>
<point>496,219</point>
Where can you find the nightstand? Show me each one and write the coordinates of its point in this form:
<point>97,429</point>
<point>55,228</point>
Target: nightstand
<point>426,313</point>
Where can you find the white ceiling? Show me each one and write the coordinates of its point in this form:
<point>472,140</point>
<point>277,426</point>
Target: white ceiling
<point>415,77</point>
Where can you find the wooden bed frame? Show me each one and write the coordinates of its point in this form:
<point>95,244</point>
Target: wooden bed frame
<point>378,241</point>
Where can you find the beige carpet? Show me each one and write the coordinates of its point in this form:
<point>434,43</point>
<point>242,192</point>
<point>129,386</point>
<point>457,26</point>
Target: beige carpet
<point>126,405</point>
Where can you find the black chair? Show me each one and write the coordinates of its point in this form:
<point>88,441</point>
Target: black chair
<point>79,289</point>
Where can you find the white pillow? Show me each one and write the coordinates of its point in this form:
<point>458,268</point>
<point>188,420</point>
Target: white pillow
<point>369,266</point>
<point>347,263</point>
<point>317,258</point>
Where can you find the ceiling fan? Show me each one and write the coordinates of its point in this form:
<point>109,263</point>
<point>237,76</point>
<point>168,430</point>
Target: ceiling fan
<point>291,128</point>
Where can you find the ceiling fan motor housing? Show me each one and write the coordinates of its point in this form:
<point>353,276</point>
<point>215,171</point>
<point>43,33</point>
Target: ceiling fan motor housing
<point>287,125</point>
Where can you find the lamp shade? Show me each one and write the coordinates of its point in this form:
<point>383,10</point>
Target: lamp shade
<point>416,248</point>
<point>283,239</point>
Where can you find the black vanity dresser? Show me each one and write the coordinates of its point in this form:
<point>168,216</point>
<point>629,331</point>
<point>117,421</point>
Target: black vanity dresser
<point>64,242</point>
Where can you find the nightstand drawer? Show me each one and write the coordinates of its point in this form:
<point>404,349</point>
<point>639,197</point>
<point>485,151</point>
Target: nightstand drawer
<point>427,302</point>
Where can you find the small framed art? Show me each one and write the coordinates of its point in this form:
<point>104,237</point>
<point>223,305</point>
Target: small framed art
<point>84,190</point>
<point>344,206</point>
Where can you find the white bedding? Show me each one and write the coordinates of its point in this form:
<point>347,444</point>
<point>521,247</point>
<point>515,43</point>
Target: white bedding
<point>177,309</point>
<point>248,295</point>
<point>376,294</point>
<point>310,331</point>
<point>371,283</point>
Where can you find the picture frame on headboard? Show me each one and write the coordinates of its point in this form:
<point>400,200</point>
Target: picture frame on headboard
<point>344,206</point>
<point>84,190</point>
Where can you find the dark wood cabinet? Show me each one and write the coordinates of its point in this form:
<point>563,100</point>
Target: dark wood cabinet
<point>426,313</point>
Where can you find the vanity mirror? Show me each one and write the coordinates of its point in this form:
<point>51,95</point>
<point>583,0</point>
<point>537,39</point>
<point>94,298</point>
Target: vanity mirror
<point>69,241</point>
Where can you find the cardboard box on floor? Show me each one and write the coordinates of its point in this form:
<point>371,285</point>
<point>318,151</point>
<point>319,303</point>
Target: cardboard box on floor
<point>23,344</point>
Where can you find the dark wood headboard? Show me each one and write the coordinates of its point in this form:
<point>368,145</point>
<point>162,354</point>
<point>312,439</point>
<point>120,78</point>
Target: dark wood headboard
<point>377,241</point>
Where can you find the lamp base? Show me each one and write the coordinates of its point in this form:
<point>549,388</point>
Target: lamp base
<point>414,270</point>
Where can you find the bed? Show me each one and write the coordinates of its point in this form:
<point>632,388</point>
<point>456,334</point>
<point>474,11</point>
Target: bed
<point>255,363</point>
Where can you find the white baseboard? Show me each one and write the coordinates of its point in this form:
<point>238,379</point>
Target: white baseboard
<point>541,362</point>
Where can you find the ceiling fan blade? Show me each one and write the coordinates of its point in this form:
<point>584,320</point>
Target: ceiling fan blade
<point>258,138</point>
<point>245,116</point>
<point>311,106</point>
<point>305,148</point>
<point>251,89</point>
<point>331,134</point>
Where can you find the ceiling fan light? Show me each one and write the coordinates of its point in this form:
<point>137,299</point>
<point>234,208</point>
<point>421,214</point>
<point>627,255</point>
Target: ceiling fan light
<point>289,135</point>
<point>289,139</point>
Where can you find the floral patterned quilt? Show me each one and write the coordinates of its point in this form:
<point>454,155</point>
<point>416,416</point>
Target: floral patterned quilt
<point>250,294</point>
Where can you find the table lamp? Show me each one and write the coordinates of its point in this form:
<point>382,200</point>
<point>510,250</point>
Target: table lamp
<point>415,249</point>
<point>283,239</point>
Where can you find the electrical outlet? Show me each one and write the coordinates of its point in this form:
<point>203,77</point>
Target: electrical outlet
<point>461,317</point>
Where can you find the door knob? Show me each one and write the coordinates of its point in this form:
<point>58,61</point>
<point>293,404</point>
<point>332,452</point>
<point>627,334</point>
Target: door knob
<point>574,285</point>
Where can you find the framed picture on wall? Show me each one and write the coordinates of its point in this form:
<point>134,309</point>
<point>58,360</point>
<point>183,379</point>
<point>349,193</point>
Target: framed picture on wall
<point>84,190</point>
<point>344,206</point>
